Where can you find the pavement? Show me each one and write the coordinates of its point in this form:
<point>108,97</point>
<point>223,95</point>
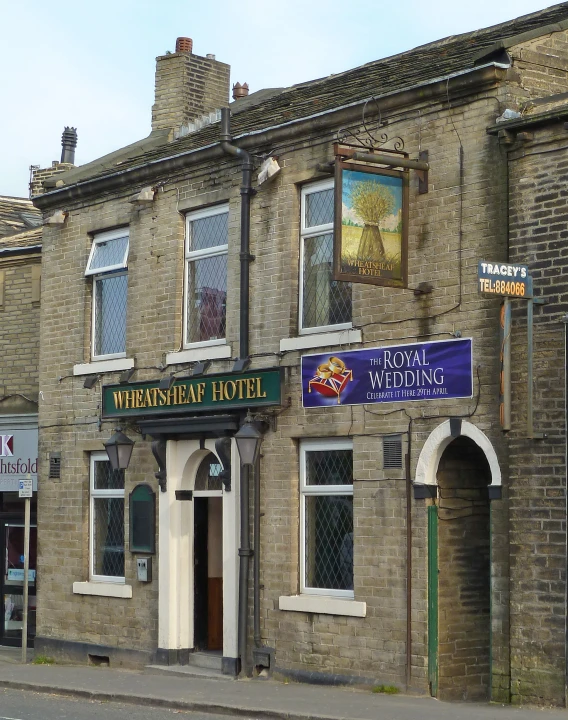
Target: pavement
<point>254,698</point>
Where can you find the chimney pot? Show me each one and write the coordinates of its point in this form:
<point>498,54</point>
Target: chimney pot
<point>240,91</point>
<point>184,45</point>
<point>68,145</point>
<point>210,56</point>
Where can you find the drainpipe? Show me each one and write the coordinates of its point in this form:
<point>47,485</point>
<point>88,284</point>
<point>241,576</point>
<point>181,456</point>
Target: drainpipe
<point>245,553</point>
<point>245,256</point>
<point>256,555</point>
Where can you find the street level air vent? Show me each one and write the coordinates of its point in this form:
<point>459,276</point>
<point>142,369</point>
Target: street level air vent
<point>55,465</point>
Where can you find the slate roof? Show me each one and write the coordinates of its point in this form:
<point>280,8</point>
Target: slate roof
<point>17,215</point>
<point>423,64</point>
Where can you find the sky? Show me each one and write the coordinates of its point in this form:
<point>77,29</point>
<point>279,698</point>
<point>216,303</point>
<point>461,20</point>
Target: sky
<point>91,65</point>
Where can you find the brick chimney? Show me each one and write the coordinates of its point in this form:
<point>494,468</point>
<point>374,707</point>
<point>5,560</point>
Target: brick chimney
<point>188,86</point>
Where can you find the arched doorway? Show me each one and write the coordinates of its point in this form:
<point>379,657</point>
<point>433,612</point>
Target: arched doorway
<point>208,555</point>
<point>462,573</point>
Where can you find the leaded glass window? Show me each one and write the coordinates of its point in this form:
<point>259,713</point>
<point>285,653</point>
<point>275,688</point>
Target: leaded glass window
<point>208,477</point>
<point>324,302</point>
<point>326,484</point>
<point>206,276</point>
<point>107,264</point>
<point>106,520</point>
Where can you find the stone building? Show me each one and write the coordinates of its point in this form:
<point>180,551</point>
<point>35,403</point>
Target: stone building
<point>20,264</point>
<point>178,295</point>
<point>20,280</point>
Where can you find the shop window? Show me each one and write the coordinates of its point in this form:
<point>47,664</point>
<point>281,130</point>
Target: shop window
<point>106,520</point>
<point>206,276</point>
<point>325,304</point>
<point>108,266</point>
<point>326,517</point>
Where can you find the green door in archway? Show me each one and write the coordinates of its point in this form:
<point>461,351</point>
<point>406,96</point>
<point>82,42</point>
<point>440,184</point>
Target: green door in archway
<point>433,600</point>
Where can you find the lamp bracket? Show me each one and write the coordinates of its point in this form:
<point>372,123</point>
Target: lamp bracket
<point>263,422</point>
<point>223,450</point>
<point>159,452</point>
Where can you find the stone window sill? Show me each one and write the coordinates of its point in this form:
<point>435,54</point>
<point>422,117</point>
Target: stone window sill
<point>322,604</point>
<point>207,352</point>
<point>327,339</point>
<point>102,366</point>
<point>102,589</point>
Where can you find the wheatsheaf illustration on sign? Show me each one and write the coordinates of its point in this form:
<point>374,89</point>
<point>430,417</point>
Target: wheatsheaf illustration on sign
<point>370,225</point>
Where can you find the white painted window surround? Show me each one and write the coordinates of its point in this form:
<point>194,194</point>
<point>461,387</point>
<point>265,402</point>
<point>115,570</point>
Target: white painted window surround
<point>326,491</point>
<point>322,605</point>
<point>102,589</point>
<point>205,282</point>
<point>328,339</point>
<point>102,366</point>
<point>108,267</point>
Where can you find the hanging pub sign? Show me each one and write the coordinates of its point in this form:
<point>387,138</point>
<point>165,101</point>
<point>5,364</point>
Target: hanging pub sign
<point>399,373</point>
<point>371,224</point>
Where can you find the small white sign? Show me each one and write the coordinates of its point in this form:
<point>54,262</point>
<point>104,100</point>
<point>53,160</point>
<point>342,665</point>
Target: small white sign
<point>25,488</point>
<point>17,575</point>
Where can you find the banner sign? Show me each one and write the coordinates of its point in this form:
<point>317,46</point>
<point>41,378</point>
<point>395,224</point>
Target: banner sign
<point>194,395</point>
<point>371,224</point>
<point>504,279</point>
<point>420,371</point>
<point>18,458</point>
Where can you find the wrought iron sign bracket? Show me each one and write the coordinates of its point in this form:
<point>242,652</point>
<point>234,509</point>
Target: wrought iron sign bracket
<point>389,158</point>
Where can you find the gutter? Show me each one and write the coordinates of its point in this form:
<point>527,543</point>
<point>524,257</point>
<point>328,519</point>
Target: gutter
<point>464,80</point>
<point>10,252</point>
<point>546,118</point>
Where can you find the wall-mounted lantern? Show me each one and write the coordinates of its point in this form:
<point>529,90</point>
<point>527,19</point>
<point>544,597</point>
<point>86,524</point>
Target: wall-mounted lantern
<point>119,450</point>
<point>248,439</point>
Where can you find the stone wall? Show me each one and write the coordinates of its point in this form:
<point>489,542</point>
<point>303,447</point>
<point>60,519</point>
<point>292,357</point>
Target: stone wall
<point>19,332</point>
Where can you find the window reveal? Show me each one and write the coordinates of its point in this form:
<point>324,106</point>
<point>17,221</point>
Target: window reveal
<point>107,264</point>
<point>324,302</point>
<point>326,485</point>
<point>106,520</point>
<point>206,276</point>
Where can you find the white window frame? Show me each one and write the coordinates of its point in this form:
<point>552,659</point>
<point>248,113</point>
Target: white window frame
<point>93,494</point>
<point>192,255</point>
<point>99,274</point>
<point>314,490</point>
<point>305,233</point>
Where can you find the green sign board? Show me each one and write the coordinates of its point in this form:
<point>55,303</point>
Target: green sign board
<point>194,395</point>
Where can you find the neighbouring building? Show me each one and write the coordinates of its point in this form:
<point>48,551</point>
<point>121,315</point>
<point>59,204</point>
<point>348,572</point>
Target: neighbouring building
<point>535,147</point>
<point>20,280</point>
<point>20,267</point>
<point>394,535</point>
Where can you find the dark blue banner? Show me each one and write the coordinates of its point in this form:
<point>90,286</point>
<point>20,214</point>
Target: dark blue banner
<point>398,373</point>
